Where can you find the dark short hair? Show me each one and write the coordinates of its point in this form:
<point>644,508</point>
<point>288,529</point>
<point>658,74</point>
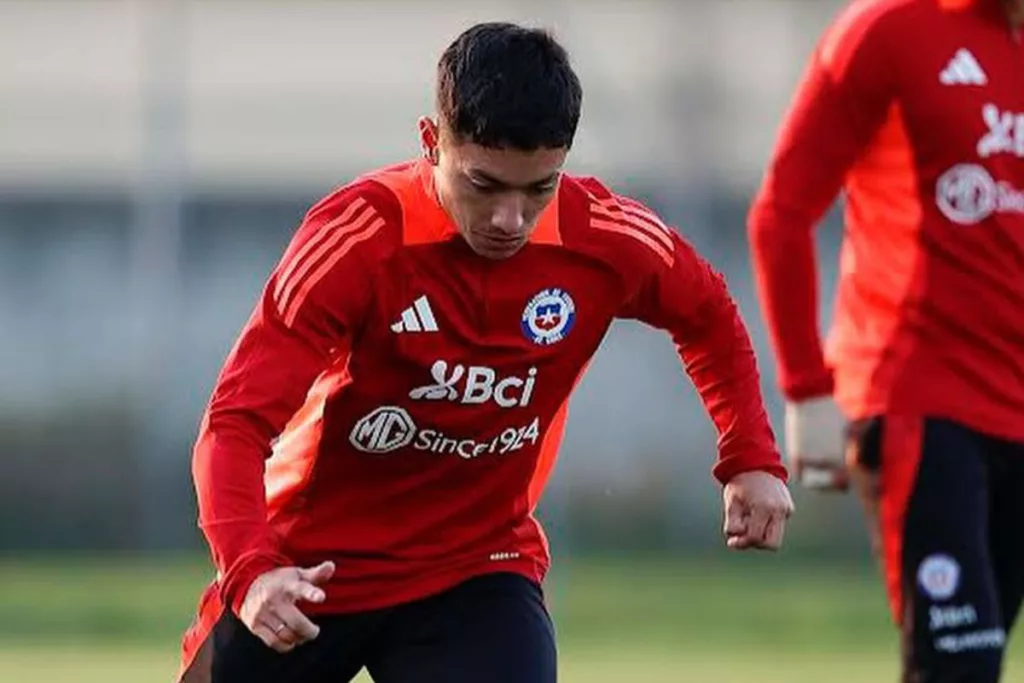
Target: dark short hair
<point>504,85</point>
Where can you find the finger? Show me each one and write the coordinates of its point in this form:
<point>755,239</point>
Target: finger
<point>757,524</point>
<point>735,517</point>
<point>764,528</point>
<point>281,647</point>
<point>773,533</point>
<point>270,639</point>
<point>740,542</point>
<point>297,622</point>
<point>303,590</point>
<point>318,574</point>
<point>282,632</point>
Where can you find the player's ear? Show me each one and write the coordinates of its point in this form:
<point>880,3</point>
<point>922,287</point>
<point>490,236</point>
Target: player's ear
<point>428,138</point>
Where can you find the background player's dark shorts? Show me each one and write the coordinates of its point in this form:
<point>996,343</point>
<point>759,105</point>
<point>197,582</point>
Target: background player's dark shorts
<point>491,628</point>
<point>946,511</point>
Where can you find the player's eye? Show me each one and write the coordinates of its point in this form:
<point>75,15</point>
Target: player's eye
<point>483,186</point>
<point>543,189</point>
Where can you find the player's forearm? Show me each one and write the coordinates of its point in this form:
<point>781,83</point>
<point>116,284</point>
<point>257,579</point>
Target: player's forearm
<point>721,363</point>
<point>785,274</point>
<point>228,473</point>
<point>836,110</point>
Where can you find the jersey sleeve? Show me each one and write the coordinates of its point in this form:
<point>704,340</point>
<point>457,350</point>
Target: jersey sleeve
<point>684,296</point>
<point>840,103</point>
<point>310,309</point>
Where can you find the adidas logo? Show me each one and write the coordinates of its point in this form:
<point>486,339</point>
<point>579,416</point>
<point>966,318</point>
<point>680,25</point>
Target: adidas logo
<point>416,318</point>
<point>963,69</point>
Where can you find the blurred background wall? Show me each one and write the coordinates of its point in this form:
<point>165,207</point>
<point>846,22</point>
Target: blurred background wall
<point>156,156</point>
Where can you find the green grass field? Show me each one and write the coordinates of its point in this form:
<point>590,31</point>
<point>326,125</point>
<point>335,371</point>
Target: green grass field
<point>746,618</point>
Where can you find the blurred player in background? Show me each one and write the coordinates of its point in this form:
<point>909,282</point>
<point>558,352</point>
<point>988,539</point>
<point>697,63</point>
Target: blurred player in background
<point>916,109</point>
<point>369,463</point>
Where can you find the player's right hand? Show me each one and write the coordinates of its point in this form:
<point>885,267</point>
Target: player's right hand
<point>270,609</point>
<point>815,432</point>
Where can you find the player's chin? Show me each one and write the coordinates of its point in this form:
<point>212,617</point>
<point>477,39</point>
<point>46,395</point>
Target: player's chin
<point>496,248</point>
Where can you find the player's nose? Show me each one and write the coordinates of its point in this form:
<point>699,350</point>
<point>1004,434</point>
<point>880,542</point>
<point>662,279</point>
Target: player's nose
<point>508,216</point>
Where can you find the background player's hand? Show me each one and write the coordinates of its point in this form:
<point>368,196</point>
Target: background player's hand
<point>757,506</point>
<point>270,608</point>
<point>816,443</point>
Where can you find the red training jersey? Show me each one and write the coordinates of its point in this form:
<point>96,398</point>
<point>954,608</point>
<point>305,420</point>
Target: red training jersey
<point>916,109</point>
<point>395,402</point>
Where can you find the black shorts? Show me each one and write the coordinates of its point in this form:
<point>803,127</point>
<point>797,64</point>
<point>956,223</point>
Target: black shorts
<point>492,628</point>
<point>947,511</point>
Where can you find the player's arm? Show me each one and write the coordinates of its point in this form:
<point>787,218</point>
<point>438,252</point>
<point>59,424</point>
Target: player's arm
<point>688,299</point>
<point>309,309</point>
<point>843,97</point>
<point>845,94</point>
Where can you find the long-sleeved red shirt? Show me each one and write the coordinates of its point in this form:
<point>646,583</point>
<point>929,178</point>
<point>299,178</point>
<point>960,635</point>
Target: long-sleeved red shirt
<point>395,402</point>
<point>916,109</point>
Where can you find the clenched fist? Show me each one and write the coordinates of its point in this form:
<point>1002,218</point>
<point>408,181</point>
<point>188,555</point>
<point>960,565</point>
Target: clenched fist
<point>757,506</point>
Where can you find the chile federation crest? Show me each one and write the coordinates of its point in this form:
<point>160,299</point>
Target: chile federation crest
<point>549,316</point>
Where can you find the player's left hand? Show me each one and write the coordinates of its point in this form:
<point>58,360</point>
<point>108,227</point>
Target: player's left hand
<point>757,506</point>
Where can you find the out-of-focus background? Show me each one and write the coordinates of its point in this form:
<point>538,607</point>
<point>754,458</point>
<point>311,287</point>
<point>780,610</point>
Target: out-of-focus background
<point>155,157</point>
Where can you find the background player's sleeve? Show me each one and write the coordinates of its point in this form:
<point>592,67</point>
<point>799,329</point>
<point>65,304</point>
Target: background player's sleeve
<point>688,299</point>
<point>839,105</point>
<point>309,308</point>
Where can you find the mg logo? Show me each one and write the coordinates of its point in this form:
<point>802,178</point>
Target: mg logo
<point>386,429</point>
<point>968,194</point>
<point>475,384</point>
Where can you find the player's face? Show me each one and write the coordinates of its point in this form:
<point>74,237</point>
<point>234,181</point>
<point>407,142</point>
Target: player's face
<point>495,195</point>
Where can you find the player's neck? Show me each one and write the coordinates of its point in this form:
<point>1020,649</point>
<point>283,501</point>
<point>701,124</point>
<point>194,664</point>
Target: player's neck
<point>438,195</point>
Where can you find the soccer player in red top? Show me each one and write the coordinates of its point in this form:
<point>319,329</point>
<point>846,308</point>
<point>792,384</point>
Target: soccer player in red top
<point>369,463</point>
<point>916,109</point>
